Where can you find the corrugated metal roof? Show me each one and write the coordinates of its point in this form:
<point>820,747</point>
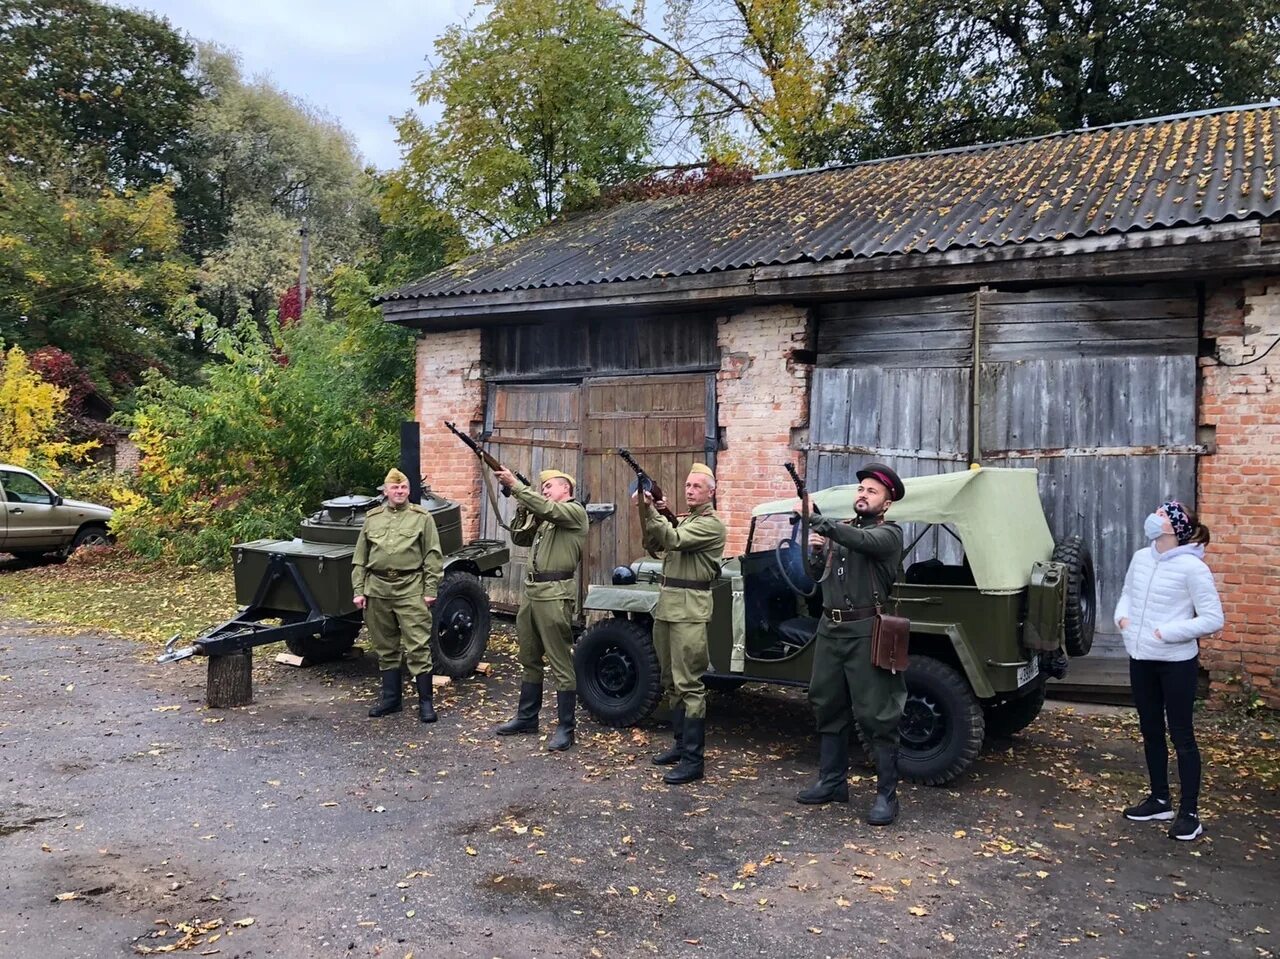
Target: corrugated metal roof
<point>1208,167</point>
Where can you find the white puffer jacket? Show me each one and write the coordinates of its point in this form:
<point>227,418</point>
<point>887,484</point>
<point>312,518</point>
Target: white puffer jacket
<point>1173,592</point>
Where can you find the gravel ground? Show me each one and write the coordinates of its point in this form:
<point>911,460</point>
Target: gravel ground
<point>134,820</point>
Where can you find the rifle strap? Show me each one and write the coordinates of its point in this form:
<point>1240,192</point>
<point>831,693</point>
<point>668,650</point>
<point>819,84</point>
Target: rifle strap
<point>493,498</point>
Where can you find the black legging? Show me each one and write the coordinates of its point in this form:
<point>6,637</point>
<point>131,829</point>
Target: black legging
<point>1163,690</point>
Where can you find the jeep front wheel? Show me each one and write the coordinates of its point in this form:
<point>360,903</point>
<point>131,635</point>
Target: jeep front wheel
<point>619,680</point>
<point>942,724</point>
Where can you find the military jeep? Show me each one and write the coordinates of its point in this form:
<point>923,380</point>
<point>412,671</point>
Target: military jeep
<point>995,607</point>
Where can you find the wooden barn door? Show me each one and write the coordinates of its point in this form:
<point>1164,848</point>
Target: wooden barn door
<point>531,427</point>
<point>666,422</point>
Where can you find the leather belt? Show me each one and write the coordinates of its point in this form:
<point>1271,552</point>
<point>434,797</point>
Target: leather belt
<point>674,583</point>
<point>849,614</point>
<point>553,576</point>
<point>394,574</point>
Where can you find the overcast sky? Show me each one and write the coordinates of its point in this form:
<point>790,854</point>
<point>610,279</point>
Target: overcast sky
<point>354,60</point>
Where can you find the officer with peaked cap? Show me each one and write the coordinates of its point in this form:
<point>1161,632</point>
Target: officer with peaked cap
<point>863,563</point>
<point>394,573</point>
<point>554,527</point>
<point>692,553</point>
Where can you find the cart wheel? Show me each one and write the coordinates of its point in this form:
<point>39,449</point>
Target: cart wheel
<point>460,625</point>
<point>340,635</point>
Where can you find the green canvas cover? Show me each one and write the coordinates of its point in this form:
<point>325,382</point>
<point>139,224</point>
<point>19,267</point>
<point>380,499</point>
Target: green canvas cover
<point>996,512</point>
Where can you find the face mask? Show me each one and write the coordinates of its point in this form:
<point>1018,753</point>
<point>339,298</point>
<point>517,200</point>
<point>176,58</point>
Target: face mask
<point>1153,527</point>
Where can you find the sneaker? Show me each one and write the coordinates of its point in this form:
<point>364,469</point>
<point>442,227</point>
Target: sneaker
<point>1186,827</point>
<point>1150,808</point>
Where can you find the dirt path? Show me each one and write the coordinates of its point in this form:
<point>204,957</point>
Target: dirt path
<point>133,819</point>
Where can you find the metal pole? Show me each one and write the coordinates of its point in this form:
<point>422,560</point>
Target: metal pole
<point>305,233</point>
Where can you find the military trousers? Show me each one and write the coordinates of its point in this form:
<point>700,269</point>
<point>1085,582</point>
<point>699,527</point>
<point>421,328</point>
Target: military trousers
<point>400,630</point>
<point>682,654</point>
<point>845,686</point>
<point>544,628</point>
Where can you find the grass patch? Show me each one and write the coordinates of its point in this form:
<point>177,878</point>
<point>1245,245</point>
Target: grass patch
<point>104,589</point>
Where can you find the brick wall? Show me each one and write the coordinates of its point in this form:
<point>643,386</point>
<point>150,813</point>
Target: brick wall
<point>762,397</point>
<point>450,387</point>
<point>1239,484</point>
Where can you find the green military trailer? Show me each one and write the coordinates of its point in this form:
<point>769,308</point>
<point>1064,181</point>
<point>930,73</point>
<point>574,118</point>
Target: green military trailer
<point>988,628</point>
<point>298,591</point>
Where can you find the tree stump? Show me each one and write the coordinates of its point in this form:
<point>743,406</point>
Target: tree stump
<point>230,680</point>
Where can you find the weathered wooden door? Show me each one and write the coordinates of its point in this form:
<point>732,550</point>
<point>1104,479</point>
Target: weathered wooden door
<point>531,427</point>
<point>893,384</point>
<point>667,422</point>
<point>1094,386</point>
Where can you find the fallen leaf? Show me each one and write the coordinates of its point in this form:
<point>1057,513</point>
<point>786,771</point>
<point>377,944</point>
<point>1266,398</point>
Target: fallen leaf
<point>470,851</point>
<point>918,911</point>
<point>242,923</point>
<point>66,896</point>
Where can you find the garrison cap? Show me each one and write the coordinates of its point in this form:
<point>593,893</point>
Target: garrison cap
<point>886,476</point>
<point>395,476</point>
<point>556,474</point>
<point>702,468</point>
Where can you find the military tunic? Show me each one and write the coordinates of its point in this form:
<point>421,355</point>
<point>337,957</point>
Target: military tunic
<point>397,563</point>
<point>693,551</point>
<point>865,559</point>
<point>544,622</point>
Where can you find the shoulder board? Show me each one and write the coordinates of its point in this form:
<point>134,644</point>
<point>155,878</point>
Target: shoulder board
<point>418,509</point>
<point>375,511</point>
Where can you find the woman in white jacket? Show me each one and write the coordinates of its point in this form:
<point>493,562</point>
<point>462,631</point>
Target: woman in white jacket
<point>1168,602</point>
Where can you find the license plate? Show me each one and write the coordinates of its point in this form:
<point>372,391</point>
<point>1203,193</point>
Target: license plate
<point>1028,672</point>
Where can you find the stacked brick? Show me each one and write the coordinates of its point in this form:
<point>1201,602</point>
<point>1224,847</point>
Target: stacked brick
<point>450,387</point>
<point>1239,484</point>
<point>762,397</point>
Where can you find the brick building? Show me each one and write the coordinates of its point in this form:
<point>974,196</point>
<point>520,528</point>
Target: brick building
<point>1098,304</point>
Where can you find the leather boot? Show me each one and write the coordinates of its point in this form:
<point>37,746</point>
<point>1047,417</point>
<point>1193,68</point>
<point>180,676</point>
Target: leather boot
<point>389,697</point>
<point>526,720</point>
<point>833,772</point>
<point>566,702</point>
<point>671,755</point>
<point>885,808</point>
<point>426,707</point>
<point>690,766</point>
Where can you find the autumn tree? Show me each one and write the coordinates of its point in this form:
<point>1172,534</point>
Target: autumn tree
<point>261,163</point>
<point>773,83</point>
<point>941,73</point>
<point>543,102</point>
<point>98,93</point>
<point>30,411</point>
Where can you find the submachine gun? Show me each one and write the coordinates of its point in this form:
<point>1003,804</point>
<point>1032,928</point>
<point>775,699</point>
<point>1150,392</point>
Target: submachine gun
<point>802,566</point>
<point>646,484</point>
<point>486,457</point>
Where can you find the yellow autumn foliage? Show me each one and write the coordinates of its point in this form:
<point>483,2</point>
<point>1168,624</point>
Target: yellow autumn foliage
<point>30,409</point>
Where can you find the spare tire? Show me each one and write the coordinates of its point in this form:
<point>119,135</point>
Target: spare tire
<point>1081,614</point>
<point>460,623</point>
<point>619,680</point>
<point>338,636</point>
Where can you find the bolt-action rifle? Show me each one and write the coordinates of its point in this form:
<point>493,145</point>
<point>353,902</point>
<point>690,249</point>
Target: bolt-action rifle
<point>645,484</point>
<point>805,576</point>
<point>485,456</point>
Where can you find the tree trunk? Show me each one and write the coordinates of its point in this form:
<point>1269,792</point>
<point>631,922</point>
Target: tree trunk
<point>230,681</point>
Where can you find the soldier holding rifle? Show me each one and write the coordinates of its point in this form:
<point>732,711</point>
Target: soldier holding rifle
<point>544,624</point>
<point>693,550</point>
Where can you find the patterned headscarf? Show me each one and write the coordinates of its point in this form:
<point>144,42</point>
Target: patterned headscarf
<point>1179,520</point>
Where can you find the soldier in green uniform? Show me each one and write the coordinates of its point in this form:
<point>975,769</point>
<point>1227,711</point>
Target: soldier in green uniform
<point>693,551</point>
<point>394,573</point>
<point>554,527</point>
<point>865,558</point>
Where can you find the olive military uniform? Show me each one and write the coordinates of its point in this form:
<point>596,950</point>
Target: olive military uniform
<point>544,624</point>
<point>693,552</point>
<point>865,558</point>
<point>397,563</point>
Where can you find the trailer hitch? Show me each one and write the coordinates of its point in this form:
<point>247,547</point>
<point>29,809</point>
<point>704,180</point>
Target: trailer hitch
<point>171,655</point>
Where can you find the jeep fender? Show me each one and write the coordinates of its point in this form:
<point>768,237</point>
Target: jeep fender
<point>954,634</point>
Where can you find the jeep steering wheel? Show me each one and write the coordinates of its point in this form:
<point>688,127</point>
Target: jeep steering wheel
<point>793,565</point>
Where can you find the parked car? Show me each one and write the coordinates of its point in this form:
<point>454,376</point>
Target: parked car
<point>998,609</point>
<point>36,521</point>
